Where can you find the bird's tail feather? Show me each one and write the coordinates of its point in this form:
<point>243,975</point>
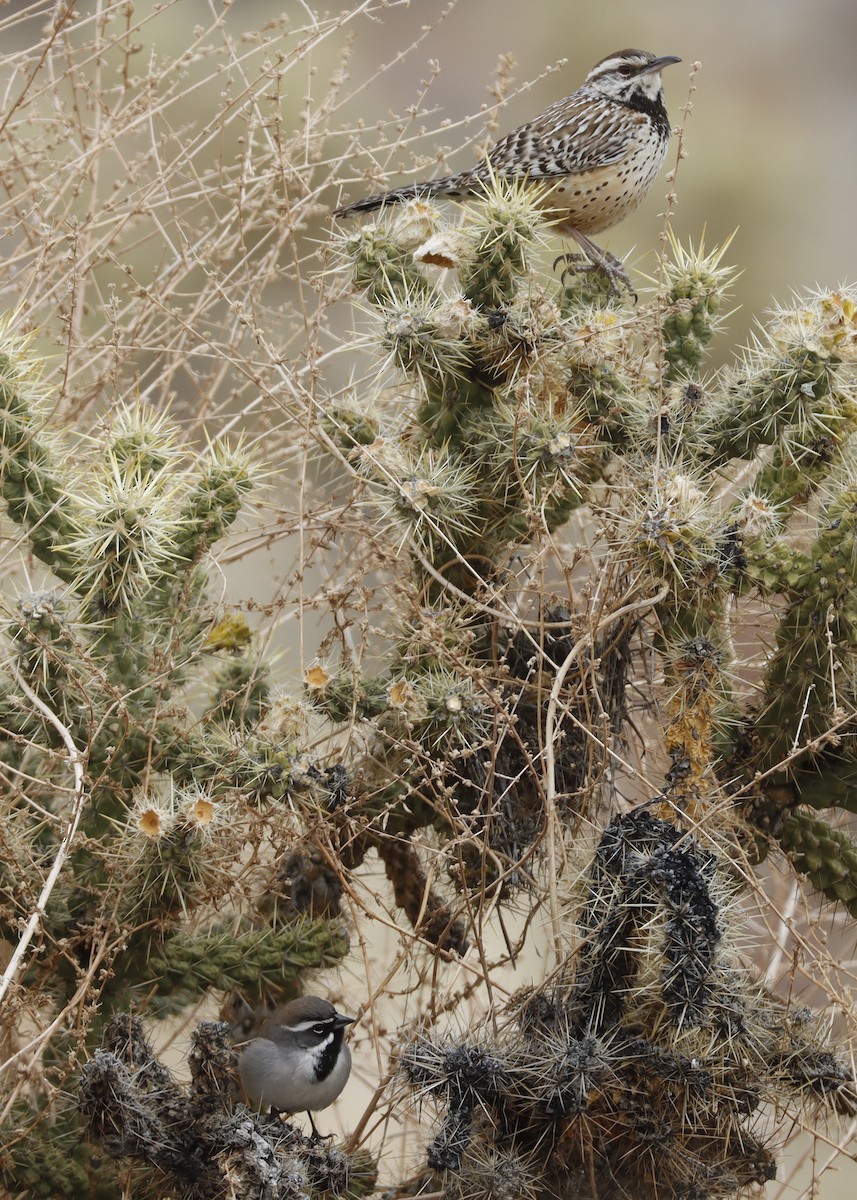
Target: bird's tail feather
<point>450,185</point>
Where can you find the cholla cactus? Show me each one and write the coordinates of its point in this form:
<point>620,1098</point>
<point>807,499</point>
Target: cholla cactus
<point>694,294</point>
<point>105,669</point>
<point>537,400</point>
<point>520,401</point>
<point>571,516</point>
<point>641,1067</point>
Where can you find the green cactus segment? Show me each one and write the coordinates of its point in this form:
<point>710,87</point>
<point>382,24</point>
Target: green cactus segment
<point>241,693</point>
<point>143,440</point>
<point>383,266</point>
<point>696,286</point>
<point>826,855</point>
<point>674,537</point>
<point>795,399</point>
<point>795,473</point>
<point>125,540</point>
<point>829,781</point>
<point>422,340</point>
<point>189,965</point>
<point>211,501</point>
<point>169,876</point>
<point>50,1159</point>
<point>344,695</point>
<point>772,567</point>
<point>604,393</point>
<point>349,428</point>
<point>48,648</point>
<point>33,487</point>
<point>502,231</point>
<point>774,392</point>
<point>816,640</point>
<point>545,455</point>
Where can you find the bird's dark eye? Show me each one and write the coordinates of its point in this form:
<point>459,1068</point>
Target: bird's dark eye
<point>625,70</point>
<point>319,1030</point>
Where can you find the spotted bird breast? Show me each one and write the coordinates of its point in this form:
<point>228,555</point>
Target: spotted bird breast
<point>601,197</point>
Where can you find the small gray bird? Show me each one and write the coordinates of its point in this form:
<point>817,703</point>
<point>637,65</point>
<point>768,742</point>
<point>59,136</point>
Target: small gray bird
<point>299,1062</point>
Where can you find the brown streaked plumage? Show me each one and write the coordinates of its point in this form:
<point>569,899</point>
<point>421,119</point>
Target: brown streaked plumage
<point>598,149</point>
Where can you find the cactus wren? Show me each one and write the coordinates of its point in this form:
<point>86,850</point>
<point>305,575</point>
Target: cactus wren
<point>599,149</point>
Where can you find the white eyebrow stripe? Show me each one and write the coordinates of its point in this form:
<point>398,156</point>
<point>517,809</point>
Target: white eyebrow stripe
<point>304,1026</point>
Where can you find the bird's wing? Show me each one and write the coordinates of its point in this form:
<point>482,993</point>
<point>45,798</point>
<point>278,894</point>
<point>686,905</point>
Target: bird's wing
<point>573,135</point>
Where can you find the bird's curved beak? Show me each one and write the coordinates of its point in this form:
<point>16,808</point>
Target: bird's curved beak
<point>658,64</point>
<point>339,1021</point>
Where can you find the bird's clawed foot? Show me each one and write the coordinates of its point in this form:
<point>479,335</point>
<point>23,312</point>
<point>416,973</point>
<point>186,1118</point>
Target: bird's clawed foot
<point>596,259</point>
<point>575,264</point>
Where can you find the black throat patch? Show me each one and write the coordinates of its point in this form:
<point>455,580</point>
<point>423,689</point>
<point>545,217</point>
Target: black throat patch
<point>326,1061</point>
<point>655,110</point>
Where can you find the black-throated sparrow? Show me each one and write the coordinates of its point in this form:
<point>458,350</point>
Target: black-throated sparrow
<point>299,1062</point>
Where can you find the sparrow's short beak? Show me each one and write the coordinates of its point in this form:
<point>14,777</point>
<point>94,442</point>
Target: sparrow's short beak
<point>339,1022</point>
